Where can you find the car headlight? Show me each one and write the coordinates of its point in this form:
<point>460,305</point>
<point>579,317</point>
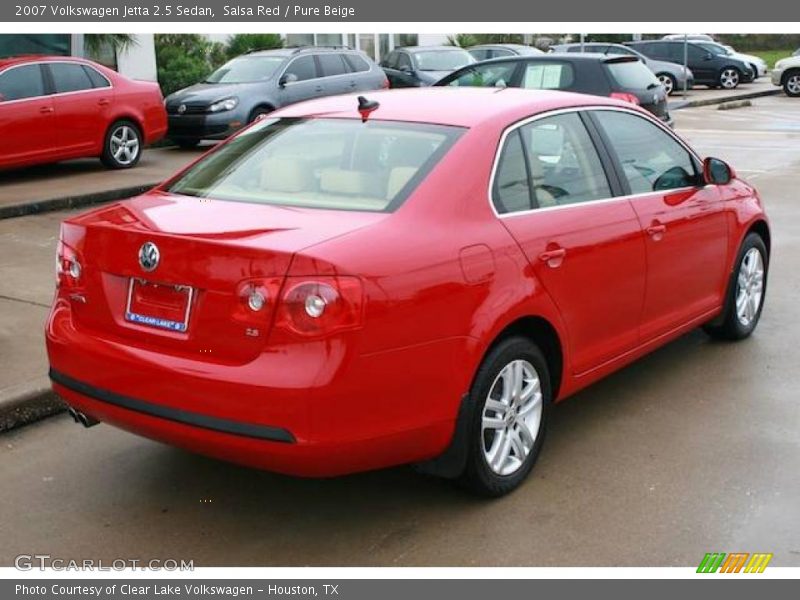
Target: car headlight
<point>226,104</point>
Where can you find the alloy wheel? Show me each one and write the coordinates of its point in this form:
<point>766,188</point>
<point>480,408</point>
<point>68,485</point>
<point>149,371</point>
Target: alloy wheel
<point>793,85</point>
<point>666,81</point>
<point>124,143</point>
<point>511,417</point>
<point>729,79</point>
<point>749,286</point>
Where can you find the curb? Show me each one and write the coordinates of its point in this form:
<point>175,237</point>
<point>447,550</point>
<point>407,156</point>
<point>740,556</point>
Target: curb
<point>40,206</point>
<point>680,104</point>
<point>29,407</point>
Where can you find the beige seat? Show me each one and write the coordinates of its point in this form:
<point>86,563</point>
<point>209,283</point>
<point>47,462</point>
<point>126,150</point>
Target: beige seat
<point>398,178</point>
<point>350,183</point>
<point>543,197</point>
<point>287,175</point>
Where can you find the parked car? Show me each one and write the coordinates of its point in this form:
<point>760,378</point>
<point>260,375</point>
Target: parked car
<point>252,326</point>
<point>796,52</point>
<point>487,51</point>
<point>417,66</point>
<point>697,37</point>
<point>714,69</point>
<point>671,75</point>
<point>787,75</point>
<point>622,77</point>
<point>257,83</point>
<point>757,64</point>
<point>55,108</point>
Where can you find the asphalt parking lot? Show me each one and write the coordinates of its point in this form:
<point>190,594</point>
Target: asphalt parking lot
<point>694,449</point>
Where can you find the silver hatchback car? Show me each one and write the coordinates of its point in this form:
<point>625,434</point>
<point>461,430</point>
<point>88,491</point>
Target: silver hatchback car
<point>259,82</point>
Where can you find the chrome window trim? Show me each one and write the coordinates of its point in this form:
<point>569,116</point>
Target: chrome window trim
<point>551,113</point>
<point>314,54</point>
<point>55,94</point>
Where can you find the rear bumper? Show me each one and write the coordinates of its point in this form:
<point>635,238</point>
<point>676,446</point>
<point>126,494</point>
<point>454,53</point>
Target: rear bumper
<point>315,411</point>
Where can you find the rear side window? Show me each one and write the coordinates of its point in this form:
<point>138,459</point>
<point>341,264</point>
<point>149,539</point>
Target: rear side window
<point>487,75</point>
<point>632,75</point>
<point>69,77</point>
<point>98,81</point>
<point>651,159</point>
<point>356,63</point>
<point>548,76</point>
<point>501,53</point>
<point>332,64</point>
<point>548,162</point>
<point>340,164</point>
<point>21,82</point>
<point>303,68</point>
<point>404,61</point>
<point>480,53</point>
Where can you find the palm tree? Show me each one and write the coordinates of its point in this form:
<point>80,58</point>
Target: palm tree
<point>96,45</point>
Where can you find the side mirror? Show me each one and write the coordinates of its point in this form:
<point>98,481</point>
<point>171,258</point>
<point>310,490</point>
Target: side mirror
<point>717,171</point>
<point>287,78</point>
<point>708,56</point>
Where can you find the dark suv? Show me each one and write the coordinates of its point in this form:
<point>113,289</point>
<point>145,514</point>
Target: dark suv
<point>709,68</point>
<point>622,77</point>
<point>418,66</point>
<point>256,83</point>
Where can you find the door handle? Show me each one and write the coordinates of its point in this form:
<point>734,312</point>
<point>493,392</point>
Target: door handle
<point>553,258</point>
<point>318,88</point>
<point>46,110</point>
<point>104,102</point>
<point>656,231</point>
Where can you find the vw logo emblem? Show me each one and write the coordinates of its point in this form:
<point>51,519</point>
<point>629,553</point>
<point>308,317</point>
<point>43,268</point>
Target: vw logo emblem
<point>181,109</point>
<point>149,256</point>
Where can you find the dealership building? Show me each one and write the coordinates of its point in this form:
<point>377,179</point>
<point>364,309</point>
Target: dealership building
<point>138,60</point>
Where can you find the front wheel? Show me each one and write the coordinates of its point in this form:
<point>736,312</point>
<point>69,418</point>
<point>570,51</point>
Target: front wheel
<point>729,78</point>
<point>510,401</point>
<point>791,84</point>
<point>122,147</point>
<point>746,290</point>
<point>668,81</point>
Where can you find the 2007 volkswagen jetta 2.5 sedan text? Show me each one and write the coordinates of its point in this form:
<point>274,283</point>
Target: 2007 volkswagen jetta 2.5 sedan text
<point>413,277</point>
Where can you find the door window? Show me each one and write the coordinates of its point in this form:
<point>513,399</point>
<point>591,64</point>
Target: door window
<point>303,68</point>
<point>651,159</point>
<point>69,77</point>
<point>548,76</point>
<point>486,75</point>
<point>403,61</point>
<point>21,82</point>
<point>563,163</point>
<point>332,64</point>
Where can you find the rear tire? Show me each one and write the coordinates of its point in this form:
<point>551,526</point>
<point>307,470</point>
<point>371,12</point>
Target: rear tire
<point>747,288</point>
<point>122,146</point>
<point>791,83</point>
<point>668,81</point>
<point>729,78</point>
<point>510,402</point>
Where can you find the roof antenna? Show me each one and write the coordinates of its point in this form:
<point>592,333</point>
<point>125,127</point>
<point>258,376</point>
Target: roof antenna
<point>365,107</point>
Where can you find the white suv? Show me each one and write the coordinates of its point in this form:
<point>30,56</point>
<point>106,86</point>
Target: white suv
<point>787,74</point>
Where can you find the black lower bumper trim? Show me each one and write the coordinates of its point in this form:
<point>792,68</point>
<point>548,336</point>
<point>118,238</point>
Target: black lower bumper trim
<point>261,432</point>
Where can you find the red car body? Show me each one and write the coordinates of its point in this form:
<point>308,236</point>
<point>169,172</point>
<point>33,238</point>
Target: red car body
<point>44,125</point>
<point>442,278</point>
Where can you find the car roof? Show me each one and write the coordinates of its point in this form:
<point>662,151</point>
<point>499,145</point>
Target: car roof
<point>554,56</point>
<point>419,48</point>
<point>455,106</point>
<point>28,58</point>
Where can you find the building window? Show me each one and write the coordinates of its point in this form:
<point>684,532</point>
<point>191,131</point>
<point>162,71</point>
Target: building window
<point>329,39</point>
<point>383,38</point>
<point>366,42</point>
<point>299,39</point>
<point>405,39</point>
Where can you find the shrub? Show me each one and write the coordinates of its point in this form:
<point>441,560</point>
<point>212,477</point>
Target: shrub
<point>185,59</point>
<point>246,42</point>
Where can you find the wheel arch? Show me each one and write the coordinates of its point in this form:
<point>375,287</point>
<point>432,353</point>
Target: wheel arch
<point>761,227</point>
<point>270,106</point>
<point>788,72</point>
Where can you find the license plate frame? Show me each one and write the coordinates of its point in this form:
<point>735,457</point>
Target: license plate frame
<point>159,322</point>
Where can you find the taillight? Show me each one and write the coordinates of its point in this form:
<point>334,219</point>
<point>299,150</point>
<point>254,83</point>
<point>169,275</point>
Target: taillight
<point>68,267</point>
<point>319,306</point>
<point>385,83</point>
<point>255,299</point>
<point>625,97</point>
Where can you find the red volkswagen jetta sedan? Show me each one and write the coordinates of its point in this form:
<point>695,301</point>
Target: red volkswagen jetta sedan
<point>413,277</point>
<point>56,108</point>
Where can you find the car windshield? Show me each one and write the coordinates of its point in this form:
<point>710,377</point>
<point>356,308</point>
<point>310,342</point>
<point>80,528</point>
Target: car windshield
<point>246,69</point>
<point>341,164</point>
<point>442,60</point>
<point>633,75</point>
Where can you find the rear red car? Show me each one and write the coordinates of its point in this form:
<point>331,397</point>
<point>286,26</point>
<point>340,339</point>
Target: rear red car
<point>59,108</point>
<point>414,277</point>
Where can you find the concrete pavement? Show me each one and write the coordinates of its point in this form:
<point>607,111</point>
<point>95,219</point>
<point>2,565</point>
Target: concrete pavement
<point>691,450</point>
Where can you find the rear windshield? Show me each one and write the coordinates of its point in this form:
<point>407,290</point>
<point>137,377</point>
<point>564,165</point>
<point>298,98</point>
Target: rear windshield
<point>246,69</point>
<point>338,164</point>
<point>633,75</point>
<point>442,60</point>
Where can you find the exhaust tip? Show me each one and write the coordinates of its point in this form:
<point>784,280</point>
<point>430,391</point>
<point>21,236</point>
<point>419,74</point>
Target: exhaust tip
<point>82,418</point>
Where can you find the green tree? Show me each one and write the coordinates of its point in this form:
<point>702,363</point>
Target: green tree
<point>185,59</point>
<point>465,40</point>
<point>247,42</point>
